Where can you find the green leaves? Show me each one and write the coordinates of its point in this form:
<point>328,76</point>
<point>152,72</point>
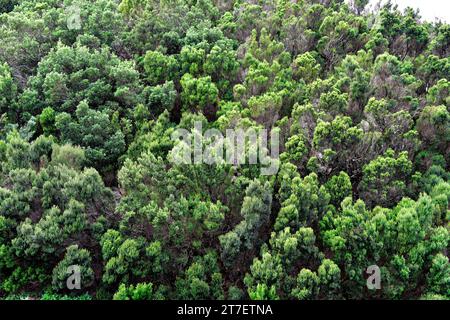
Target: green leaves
<point>78,257</point>
<point>434,126</point>
<point>94,131</point>
<point>275,267</point>
<point>255,211</point>
<point>8,89</point>
<point>307,285</point>
<point>142,291</point>
<point>159,67</point>
<point>202,280</point>
<point>439,276</point>
<point>45,237</point>
<point>123,258</point>
<point>338,133</point>
<point>359,99</point>
<point>305,205</point>
<point>403,239</point>
<point>69,75</point>
<point>306,67</point>
<point>385,178</point>
<point>339,187</point>
<point>199,94</point>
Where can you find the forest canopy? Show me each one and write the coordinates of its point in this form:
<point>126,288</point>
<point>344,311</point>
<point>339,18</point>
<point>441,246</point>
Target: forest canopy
<point>93,92</point>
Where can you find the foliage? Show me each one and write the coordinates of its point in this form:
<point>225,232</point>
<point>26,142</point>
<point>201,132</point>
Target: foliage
<point>88,171</point>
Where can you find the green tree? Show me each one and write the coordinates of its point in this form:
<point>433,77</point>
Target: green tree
<point>385,179</point>
<point>78,257</point>
<point>199,94</point>
<point>94,131</point>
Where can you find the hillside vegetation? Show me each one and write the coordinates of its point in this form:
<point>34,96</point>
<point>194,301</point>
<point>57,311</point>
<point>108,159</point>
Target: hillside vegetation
<point>91,93</point>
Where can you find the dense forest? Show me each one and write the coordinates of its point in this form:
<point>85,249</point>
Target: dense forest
<point>91,93</point>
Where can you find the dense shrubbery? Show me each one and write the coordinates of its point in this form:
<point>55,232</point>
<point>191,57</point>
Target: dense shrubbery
<point>361,101</point>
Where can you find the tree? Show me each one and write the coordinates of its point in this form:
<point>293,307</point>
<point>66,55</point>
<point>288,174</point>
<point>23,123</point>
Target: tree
<point>438,94</point>
<point>359,5</point>
<point>8,90</point>
<point>45,237</point>
<point>330,279</point>
<point>433,126</point>
<point>109,93</point>
<point>78,257</point>
<point>94,131</point>
<point>7,5</point>
<point>305,205</point>
<point>161,97</point>
<point>69,75</point>
<point>255,212</point>
<point>385,178</point>
<point>202,280</point>
<point>123,261</point>
<point>307,285</point>
<point>306,67</point>
<point>439,44</point>
<point>439,276</point>
<point>333,143</point>
<point>263,293</point>
<point>401,241</point>
<point>339,187</point>
<point>264,278</point>
<point>47,121</point>
<point>160,68</point>
<point>142,291</point>
<point>199,94</point>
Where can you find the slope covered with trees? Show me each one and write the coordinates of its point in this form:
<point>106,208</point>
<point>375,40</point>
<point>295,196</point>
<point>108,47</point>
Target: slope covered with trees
<point>360,99</point>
